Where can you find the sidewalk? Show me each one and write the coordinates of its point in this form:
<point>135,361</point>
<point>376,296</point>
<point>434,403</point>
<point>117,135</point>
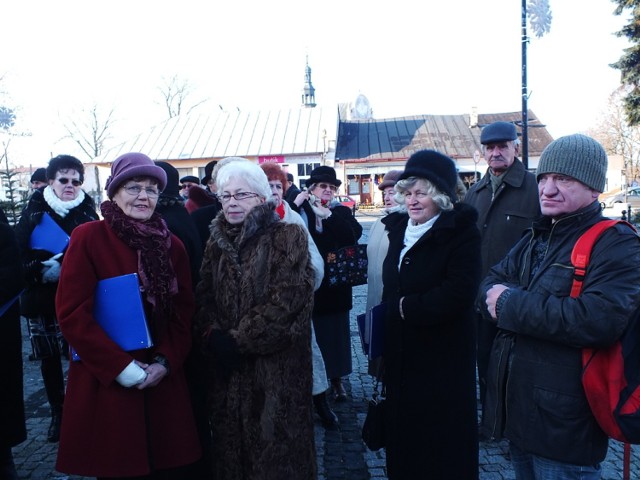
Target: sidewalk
<point>341,453</point>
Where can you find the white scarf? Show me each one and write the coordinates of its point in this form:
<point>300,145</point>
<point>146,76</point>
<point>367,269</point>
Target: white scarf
<point>413,233</point>
<point>57,205</point>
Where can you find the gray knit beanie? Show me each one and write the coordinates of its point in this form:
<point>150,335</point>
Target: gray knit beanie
<point>576,156</point>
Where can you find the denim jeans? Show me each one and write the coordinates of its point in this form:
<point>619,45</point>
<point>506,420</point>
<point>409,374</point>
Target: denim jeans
<point>534,467</point>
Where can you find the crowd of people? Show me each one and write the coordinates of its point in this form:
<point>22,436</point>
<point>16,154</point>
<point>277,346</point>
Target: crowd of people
<point>247,337</point>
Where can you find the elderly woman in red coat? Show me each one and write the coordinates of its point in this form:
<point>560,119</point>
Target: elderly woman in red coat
<point>127,413</point>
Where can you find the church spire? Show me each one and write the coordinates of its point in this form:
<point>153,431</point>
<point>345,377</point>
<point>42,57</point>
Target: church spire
<point>308,92</point>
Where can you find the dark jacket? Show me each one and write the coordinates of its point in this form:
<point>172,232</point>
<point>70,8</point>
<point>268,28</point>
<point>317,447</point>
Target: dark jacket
<point>181,224</point>
<point>39,297</point>
<point>429,355</point>
<point>203,217</point>
<point>12,419</point>
<point>547,411</point>
<point>341,229</point>
<point>503,221</point>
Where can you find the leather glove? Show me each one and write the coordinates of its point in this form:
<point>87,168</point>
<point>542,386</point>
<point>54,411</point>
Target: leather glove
<point>51,269</point>
<point>225,351</point>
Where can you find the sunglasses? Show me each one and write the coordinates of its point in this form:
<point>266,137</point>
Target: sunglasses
<point>64,181</point>
<point>324,186</point>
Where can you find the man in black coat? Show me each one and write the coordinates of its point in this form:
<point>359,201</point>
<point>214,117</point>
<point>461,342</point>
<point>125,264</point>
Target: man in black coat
<point>507,202</point>
<point>549,424</point>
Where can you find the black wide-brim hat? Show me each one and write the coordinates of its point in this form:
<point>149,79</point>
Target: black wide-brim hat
<point>323,174</point>
<point>435,167</point>
<point>208,170</point>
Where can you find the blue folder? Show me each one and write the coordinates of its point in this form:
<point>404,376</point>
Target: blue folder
<point>48,235</point>
<point>119,310</point>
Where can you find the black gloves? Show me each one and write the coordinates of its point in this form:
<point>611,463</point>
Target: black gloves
<point>225,351</point>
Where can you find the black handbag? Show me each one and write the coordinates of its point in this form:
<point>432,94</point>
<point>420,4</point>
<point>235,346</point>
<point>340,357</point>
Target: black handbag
<point>373,427</point>
<point>347,266</point>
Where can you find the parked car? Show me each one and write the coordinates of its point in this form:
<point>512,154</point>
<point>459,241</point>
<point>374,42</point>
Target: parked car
<point>633,198</point>
<point>347,201</point>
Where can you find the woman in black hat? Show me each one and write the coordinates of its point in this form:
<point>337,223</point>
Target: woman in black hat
<point>430,276</point>
<point>332,226</point>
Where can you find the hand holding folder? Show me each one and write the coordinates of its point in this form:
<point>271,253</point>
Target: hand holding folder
<point>118,308</point>
<point>48,235</point>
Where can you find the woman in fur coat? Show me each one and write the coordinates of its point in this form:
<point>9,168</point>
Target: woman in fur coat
<point>68,205</point>
<point>254,309</point>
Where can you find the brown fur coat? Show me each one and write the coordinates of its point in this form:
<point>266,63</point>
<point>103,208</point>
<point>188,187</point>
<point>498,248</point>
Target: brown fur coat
<point>257,290</point>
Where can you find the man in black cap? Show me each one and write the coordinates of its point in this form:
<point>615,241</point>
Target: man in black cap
<point>39,178</point>
<point>507,202</point>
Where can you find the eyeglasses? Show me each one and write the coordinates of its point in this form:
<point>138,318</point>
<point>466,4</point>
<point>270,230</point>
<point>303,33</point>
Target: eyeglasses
<point>136,190</point>
<point>64,181</point>
<point>324,186</point>
<point>225,197</point>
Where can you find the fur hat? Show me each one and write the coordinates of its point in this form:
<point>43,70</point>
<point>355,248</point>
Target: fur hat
<point>390,179</point>
<point>435,167</point>
<point>323,174</point>
<point>173,187</point>
<point>40,175</point>
<point>132,165</point>
<point>498,132</point>
<point>208,169</point>
<point>576,156</point>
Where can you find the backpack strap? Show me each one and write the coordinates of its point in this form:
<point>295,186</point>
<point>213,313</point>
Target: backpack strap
<point>581,252</point>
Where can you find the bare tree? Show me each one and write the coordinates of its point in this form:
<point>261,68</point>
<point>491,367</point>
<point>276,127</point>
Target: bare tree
<point>176,94</point>
<point>90,129</point>
<point>618,136</point>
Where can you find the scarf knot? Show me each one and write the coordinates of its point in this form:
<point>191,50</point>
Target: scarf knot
<point>151,239</point>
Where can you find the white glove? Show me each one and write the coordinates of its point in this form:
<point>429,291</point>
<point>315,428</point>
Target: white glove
<point>51,269</point>
<point>132,375</point>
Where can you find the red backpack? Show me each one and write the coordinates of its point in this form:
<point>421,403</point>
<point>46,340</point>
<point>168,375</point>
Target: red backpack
<point>610,376</point>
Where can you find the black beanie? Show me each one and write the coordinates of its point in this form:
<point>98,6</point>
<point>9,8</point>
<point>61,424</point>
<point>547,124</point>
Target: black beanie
<point>40,175</point>
<point>435,167</point>
<point>173,186</point>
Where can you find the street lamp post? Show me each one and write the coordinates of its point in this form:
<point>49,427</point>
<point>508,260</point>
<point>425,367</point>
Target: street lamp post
<point>540,18</point>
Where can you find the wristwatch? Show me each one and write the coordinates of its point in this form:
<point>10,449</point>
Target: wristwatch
<point>162,360</point>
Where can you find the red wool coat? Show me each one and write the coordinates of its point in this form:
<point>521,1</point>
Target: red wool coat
<point>109,430</point>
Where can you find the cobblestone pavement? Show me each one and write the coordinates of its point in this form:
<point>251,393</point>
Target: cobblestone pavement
<point>341,453</point>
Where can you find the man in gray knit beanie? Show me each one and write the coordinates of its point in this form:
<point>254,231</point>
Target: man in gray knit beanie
<point>571,174</point>
<point>550,427</point>
<point>576,156</point>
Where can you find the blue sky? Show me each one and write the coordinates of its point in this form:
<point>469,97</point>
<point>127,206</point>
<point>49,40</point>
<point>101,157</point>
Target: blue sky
<point>407,57</point>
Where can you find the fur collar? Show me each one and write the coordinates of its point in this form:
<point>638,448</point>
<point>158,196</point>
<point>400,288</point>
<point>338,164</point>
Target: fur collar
<point>57,205</point>
<point>231,237</point>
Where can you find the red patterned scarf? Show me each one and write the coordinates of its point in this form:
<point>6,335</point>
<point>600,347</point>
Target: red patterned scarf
<point>151,239</point>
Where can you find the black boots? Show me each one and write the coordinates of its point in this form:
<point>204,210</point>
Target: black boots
<point>338,391</point>
<point>53,377</point>
<point>7,467</point>
<point>54,428</point>
<point>328,417</point>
